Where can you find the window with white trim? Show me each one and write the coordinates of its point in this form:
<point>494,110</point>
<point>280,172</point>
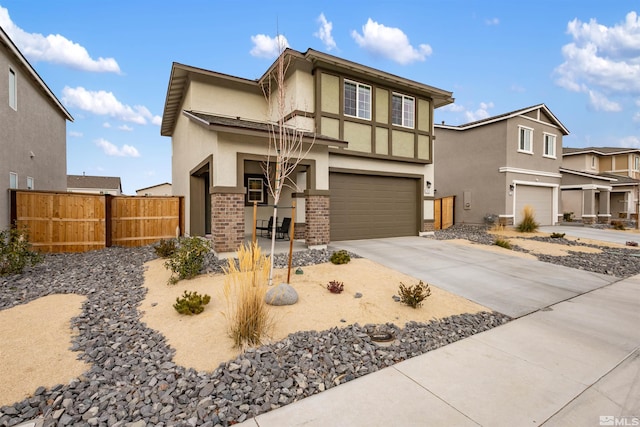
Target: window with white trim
<point>549,145</point>
<point>593,162</point>
<point>525,140</point>
<point>402,110</point>
<point>357,100</point>
<point>13,180</point>
<point>13,90</point>
<point>636,163</point>
<point>29,183</point>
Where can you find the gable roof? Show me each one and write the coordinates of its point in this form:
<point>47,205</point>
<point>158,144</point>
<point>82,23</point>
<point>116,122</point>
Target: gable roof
<point>97,182</point>
<point>181,75</point>
<point>507,116</point>
<point>602,151</point>
<point>154,186</point>
<point>6,40</point>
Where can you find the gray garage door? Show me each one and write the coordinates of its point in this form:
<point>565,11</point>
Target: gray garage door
<point>366,206</point>
<point>540,198</point>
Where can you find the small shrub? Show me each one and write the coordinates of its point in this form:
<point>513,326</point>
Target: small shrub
<point>165,248</point>
<point>557,235</point>
<point>335,287</point>
<point>567,216</point>
<point>503,243</point>
<point>617,225</point>
<point>340,257</point>
<point>490,219</point>
<point>414,295</point>
<point>191,303</point>
<point>188,259</point>
<point>528,223</point>
<point>15,251</point>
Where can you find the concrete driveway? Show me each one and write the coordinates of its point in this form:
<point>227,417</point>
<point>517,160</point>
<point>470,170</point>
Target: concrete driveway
<point>504,283</point>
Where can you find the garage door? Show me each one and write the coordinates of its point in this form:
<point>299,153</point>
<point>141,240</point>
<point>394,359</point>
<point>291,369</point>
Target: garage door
<point>367,206</point>
<point>540,198</point>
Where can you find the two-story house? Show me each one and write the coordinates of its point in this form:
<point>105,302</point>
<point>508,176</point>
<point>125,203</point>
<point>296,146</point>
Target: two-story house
<point>94,184</point>
<point>368,172</point>
<point>499,165</point>
<point>33,127</point>
<point>618,167</point>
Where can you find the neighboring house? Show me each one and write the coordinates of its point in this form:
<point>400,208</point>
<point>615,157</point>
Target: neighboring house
<point>163,189</point>
<point>501,164</point>
<point>364,177</point>
<point>94,184</point>
<point>33,127</point>
<point>619,167</point>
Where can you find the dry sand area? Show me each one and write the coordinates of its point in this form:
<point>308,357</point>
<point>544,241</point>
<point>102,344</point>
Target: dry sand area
<point>202,342</point>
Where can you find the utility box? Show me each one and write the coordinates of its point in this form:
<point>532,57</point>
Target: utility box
<point>466,200</point>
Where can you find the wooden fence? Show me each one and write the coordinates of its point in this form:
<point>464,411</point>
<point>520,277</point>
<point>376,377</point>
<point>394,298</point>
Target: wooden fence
<point>79,222</point>
<point>443,212</point>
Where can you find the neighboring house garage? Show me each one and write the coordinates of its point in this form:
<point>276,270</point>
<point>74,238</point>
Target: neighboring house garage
<point>539,198</point>
<point>372,206</point>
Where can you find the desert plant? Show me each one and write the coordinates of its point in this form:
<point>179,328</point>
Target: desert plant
<point>335,287</point>
<point>414,295</point>
<point>557,235</point>
<point>617,225</point>
<point>188,259</point>
<point>165,248</point>
<point>245,286</point>
<point>340,257</point>
<point>16,252</point>
<point>567,216</point>
<point>191,303</point>
<point>503,243</point>
<point>528,223</point>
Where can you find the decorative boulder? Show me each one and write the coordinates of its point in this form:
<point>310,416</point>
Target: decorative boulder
<point>282,294</point>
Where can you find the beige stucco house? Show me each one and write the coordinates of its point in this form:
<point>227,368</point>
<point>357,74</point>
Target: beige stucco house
<point>617,171</point>
<point>364,176</point>
<point>33,126</point>
<point>497,166</point>
<point>94,184</point>
<point>163,189</point>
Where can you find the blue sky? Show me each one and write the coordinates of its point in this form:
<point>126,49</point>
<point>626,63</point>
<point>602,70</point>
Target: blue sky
<point>109,61</point>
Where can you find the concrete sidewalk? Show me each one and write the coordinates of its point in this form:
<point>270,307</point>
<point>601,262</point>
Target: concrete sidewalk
<point>604,235</point>
<point>567,365</point>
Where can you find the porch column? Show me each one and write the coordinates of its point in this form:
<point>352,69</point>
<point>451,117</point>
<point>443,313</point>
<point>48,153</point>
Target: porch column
<point>227,218</point>
<point>604,210</point>
<point>317,218</point>
<point>589,206</point>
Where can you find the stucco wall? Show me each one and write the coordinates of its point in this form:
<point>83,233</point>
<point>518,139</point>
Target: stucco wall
<point>216,99</point>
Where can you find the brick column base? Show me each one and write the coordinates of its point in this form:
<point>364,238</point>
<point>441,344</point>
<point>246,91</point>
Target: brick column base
<point>604,219</point>
<point>299,232</point>
<point>428,225</point>
<point>505,221</point>
<point>317,220</point>
<point>588,220</point>
<point>227,221</point>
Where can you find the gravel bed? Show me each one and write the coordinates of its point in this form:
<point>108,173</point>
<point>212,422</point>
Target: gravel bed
<point>133,381</point>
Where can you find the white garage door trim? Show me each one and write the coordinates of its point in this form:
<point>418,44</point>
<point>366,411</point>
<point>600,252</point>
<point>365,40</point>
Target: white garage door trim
<point>554,198</point>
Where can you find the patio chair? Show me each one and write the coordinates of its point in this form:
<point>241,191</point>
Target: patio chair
<point>264,226</point>
<point>283,229</point>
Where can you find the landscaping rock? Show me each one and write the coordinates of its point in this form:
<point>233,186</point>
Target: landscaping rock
<point>282,294</point>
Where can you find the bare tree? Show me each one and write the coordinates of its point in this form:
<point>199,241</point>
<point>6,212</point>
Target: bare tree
<point>286,148</point>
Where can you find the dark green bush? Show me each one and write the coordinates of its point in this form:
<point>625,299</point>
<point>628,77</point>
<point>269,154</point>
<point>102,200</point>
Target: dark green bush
<point>15,251</point>
<point>191,303</point>
<point>567,216</point>
<point>414,295</point>
<point>503,243</point>
<point>188,259</point>
<point>335,287</point>
<point>340,257</point>
<point>165,248</point>
<point>528,223</point>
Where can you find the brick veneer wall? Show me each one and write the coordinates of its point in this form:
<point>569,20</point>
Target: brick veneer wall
<point>506,221</point>
<point>428,225</point>
<point>227,221</point>
<point>317,220</point>
<point>300,230</point>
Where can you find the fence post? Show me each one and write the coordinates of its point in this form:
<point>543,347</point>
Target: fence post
<point>107,220</point>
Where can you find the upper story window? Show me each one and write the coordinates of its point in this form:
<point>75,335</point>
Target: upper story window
<point>593,162</point>
<point>636,163</point>
<point>402,110</point>
<point>525,140</point>
<point>13,180</point>
<point>549,145</point>
<point>13,92</point>
<point>357,100</point>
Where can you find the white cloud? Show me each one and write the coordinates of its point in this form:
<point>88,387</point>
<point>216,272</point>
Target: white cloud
<point>125,128</point>
<point>454,108</point>
<point>106,104</point>
<point>55,48</point>
<point>113,150</point>
<point>75,134</point>
<point>599,102</point>
<point>324,32</point>
<point>157,120</point>
<point>106,125</point>
<point>629,142</point>
<point>492,21</point>
<point>268,47</point>
<point>636,117</point>
<point>389,42</point>
<point>480,113</point>
<point>517,88</point>
<point>601,57</point>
